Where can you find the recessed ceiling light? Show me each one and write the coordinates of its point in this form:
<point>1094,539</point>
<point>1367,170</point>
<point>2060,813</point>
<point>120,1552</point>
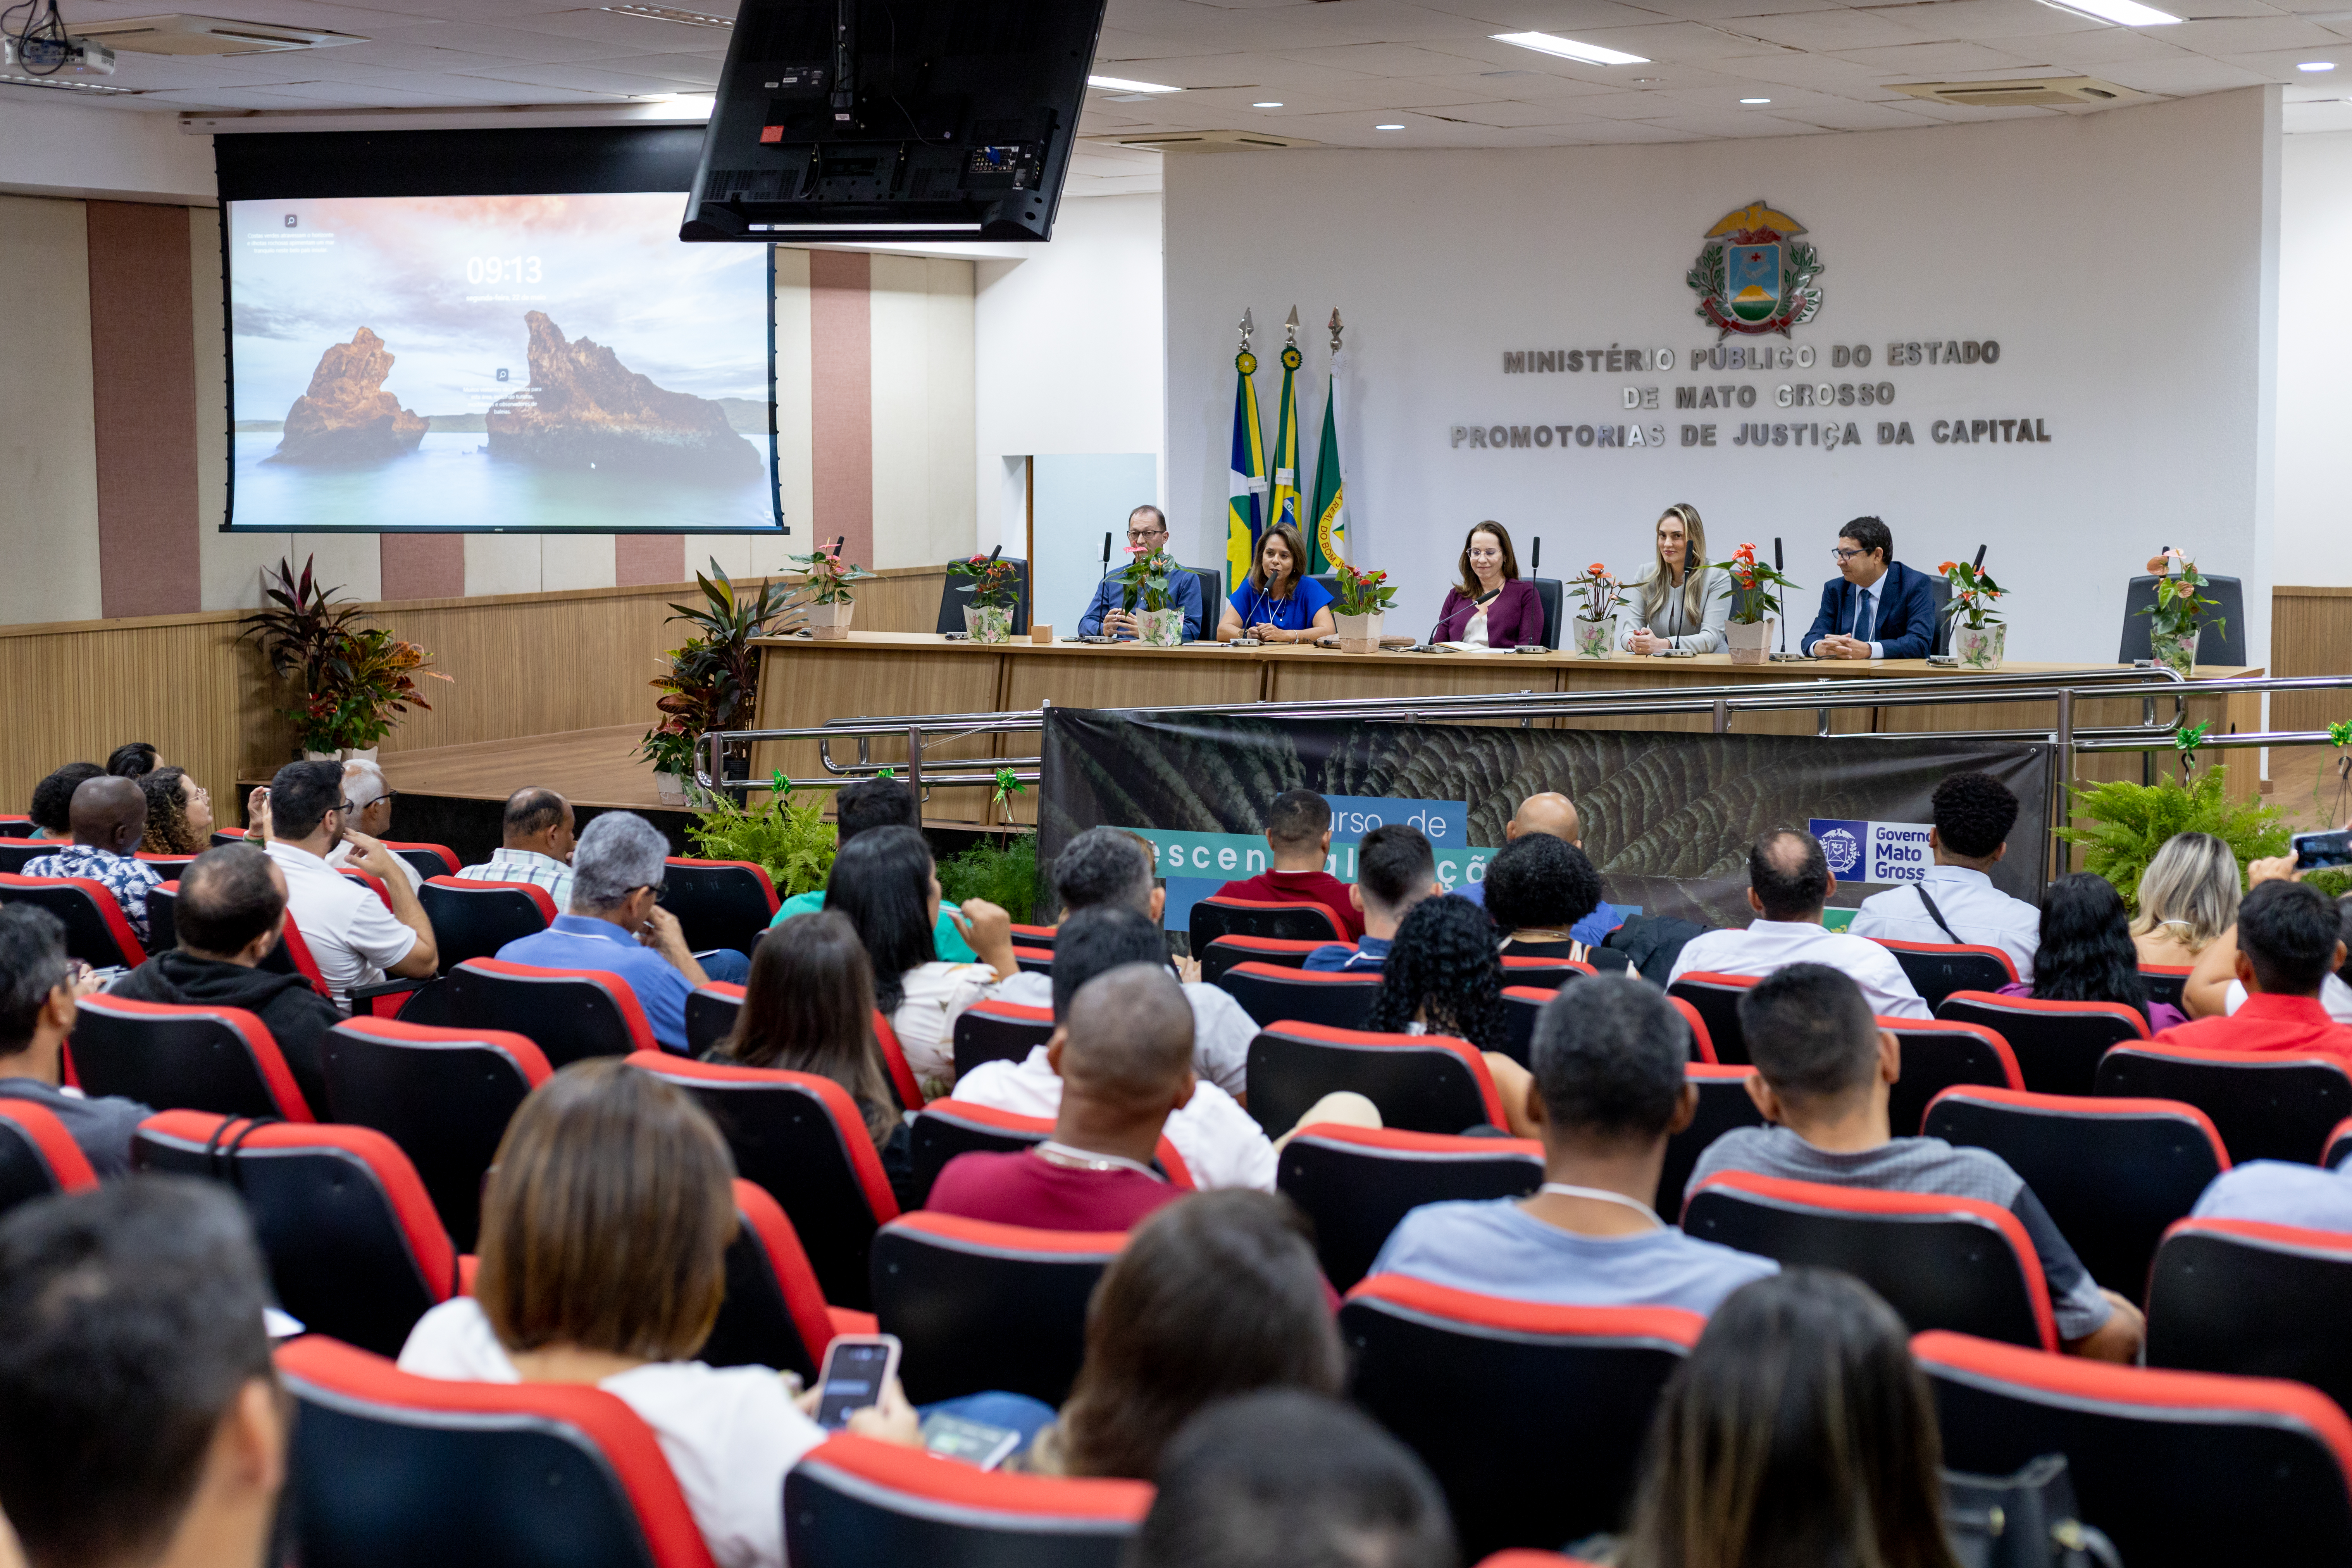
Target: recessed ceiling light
<point>666,14</point>
<point>2317,65</point>
<point>1120,84</point>
<point>1569,48</point>
<point>1755,100</point>
<point>1274,104</point>
<point>1388,127</point>
<point>2123,13</point>
<point>63,85</point>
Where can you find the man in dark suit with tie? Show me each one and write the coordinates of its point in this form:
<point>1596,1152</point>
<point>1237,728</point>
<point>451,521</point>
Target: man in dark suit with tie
<point>1876,607</point>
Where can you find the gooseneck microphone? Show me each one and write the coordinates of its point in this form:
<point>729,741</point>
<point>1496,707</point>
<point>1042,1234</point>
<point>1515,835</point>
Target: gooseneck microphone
<point>1784,609</point>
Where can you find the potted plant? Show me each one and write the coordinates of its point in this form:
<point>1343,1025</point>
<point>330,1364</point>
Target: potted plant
<point>994,585</point>
<point>712,680</point>
<point>1361,608</point>
<point>353,679</point>
<point>2124,824</point>
<point>789,840</point>
<point>1150,575</point>
<point>2173,624</point>
<point>827,581</point>
<point>1593,630</point>
<point>1978,635</point>
<point>1755,604</point>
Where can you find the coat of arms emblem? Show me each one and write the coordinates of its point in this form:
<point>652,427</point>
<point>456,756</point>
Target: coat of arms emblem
<point>1755,276</point>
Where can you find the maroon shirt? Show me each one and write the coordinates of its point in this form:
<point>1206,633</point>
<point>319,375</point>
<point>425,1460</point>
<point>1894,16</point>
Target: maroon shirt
<point>1301,888</point>
<point>1026,1189</point>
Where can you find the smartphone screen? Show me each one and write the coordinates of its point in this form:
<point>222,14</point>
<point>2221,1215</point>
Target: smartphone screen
<point>2322,850</point>
<point>854,1371</point>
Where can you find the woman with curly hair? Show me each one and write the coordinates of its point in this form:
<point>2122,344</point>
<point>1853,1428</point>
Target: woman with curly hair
<point>1443,977</point>
<point>179,814</point>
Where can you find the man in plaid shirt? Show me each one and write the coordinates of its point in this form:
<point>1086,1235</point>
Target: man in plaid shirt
<point>109,817</point>
<point>538,847</point>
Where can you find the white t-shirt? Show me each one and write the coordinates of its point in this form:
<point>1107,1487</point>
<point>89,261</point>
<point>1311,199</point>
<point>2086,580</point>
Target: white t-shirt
<point>2333,995</point>
<point>1222,1028</point>
<point>729,1433</point>
<point>1221,1145</point>
<point>1766,946</point>
<point>1978,911</point>
<point>935,995</point>
<point>346,927</point>
<point>341,860</point>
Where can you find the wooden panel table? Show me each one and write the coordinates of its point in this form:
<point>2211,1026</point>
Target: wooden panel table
<point>805,682</point>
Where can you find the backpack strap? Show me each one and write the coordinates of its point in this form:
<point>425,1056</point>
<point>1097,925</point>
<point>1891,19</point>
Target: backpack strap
<point>1935,914</point>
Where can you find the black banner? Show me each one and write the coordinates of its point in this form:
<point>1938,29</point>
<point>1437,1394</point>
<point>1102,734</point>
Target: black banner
<point>1666,816</point>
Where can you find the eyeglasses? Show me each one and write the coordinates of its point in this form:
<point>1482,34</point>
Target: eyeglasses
<point>387,796</point>
<point>1136,534</point>
<point>1845,556</point>
<point>660,890</point>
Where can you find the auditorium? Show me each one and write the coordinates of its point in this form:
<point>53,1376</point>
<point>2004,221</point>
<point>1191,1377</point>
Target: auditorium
<point>1175,784</point>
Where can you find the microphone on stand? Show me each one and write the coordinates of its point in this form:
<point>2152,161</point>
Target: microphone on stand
<point>1784,611</point>
<point>1981,555</point>
<point>1536,564</point>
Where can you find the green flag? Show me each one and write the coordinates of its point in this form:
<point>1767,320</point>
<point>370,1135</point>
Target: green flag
<point>1326,534</point>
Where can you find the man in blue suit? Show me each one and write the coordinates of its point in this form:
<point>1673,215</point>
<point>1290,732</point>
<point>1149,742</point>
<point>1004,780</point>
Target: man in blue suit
<point>1110,612</point>
<point>1876,607</point>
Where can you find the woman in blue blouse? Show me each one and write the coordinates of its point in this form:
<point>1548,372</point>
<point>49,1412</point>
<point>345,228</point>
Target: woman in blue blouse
<point>1278,601</point>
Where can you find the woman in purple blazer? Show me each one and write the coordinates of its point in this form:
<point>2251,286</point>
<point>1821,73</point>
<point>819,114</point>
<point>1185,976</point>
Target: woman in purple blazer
<point>1490,607</point>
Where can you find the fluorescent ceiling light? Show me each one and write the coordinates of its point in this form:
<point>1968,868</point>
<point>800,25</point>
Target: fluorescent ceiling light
<point>2122,12</point>
<point>1120,84</point>
<point>1388,127</point>
<point>667,13</point>
<point>2317,65</point>
<point>1590,54</point>
<point>1277,103</point>
<point>1755,100</point>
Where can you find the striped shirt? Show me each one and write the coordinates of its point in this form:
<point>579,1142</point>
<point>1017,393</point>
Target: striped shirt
<point>526,865</point>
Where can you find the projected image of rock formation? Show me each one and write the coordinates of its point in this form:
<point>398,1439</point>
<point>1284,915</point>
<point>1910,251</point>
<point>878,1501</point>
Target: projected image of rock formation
<point>347,416</point>
<point>586,409</point>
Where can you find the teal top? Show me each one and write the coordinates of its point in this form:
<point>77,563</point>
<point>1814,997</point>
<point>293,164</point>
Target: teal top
<point>953,947</point>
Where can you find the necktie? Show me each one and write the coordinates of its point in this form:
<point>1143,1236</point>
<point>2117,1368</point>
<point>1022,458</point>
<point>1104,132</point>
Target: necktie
<point>1864,621</point>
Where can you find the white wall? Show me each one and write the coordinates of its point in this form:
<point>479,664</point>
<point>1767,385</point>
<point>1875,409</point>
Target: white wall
<point>51,145</point>
<point>2119,259</point>
<point>2314,345</point>
<point>1067,346</point>
<point>48,518</point>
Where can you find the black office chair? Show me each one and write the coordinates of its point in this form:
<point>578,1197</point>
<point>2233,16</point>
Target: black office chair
<point>1212,595</point>
<point>955,596</point>
<point>1548,595</point>
<point>1940,592</point>
<point>2224,643</point>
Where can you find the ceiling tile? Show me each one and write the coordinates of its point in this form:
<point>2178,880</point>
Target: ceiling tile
<point>2095,50</point>
<point>1926,61</point>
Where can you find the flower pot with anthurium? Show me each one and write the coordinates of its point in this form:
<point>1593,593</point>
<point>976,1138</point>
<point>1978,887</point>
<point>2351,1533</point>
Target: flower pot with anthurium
<point>1590,629</point>
<point>1979,636</point>
<point>1755,604</point>
<point>994,585</point>
<point>1360,608</point>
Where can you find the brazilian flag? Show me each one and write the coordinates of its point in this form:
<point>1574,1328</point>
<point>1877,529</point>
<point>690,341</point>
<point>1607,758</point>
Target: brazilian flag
<point>1327,539</point>
<point>1246,483</point>
<point>1283,503</point>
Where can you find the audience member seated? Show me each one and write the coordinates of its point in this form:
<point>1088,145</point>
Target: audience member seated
<point>231,915</point>
<point>1956,901</point>
<point>1799,1431</point>
<point>2280,1192</point>
<point>535,845</point>
<point>1217,1295</point>
<point>39,985</point>
<point>1443,977</point>
<point>1395,869</point>
<point>1221,1146</point>
<point>605,1224</point>
<point>1822,1071</point>
<point>1538,887</point>
<point>878,803</point>
<point>2287,944</point>
<point>1106,866</point>
<point>1789,886</point>
<point>1124,1052</point>
<point>370,817</point>
<point>179,814</point>
<point>2085,953</point>
<point>2187,896</point>
<point>1556,814</point>
<point>109,818</point>
<point>2214,986</point>
<point>1298,838</point>
<point>886,883</point>
<point>1609,1090</point>
<point>52,808</point>
<point>809,1007</point>
<point>304,816</point>
<point>132,760</point>
<point>618,926</point>
<point>140,1420</point>
<point>1281,1478</point>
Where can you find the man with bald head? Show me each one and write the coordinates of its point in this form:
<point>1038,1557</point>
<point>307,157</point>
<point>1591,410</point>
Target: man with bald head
<point>109,818</point>
<point>1789,886</point>
<point>1554,814</point>
<point>1124,1053</point>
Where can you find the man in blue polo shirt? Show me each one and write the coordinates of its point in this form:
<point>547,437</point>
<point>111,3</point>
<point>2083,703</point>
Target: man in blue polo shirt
<point>1554,814</point>
<point>617,925</point>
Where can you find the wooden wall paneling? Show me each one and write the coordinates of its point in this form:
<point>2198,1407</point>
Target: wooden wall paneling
<point>74,691</point>
<point>2311,633</point>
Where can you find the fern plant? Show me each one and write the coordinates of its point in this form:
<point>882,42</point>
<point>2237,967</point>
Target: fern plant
<point>2124,824</point>
<point>788,839</point>
<point>1005,875</point>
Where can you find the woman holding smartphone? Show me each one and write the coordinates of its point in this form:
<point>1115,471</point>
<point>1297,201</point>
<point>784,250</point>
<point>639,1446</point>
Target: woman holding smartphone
<point>1278,601</point>
<point>1680,603</point>
<point>1491,606</point>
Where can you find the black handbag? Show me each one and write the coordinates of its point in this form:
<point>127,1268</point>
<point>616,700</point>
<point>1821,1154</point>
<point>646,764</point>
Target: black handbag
<point>2024,1521</point>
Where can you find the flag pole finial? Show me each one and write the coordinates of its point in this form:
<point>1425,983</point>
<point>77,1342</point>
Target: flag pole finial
<point>1291,328</point>
<point>1247,330</point>
<point>1335,329</point>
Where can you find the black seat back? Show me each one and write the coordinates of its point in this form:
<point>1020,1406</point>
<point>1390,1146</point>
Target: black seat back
<point>2221,630</point>
<point>1723,1104</point>
<point>1936,970</point>
<point>474,920</point>
<point>1716,1002</point>
<point>857,1501</point>
<point>2260,1301</point>
<point>955,597</point>
<point>981,1306</point>
<point>96,932</point>
<point>2264,1107</point>
<point>999,1031</point>
<point>711,1013</point>
<point>1938,1056</point>
<point>1421,1083</point>
<point>1357,1183</point>
<point>719,903</point>
<point>1270,993</point>
<point>947,1128</point>
<point>1214,917</point>
<point>2057,1043</point>
<point>180,1058</point>
<point>1228,950</point>
<point>569,1018</point>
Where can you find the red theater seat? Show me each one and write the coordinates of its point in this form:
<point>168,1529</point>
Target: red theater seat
<point>2262,1300</point>
<point>1216,917</point>
<point>774,1314</point>
<point>1723,1104</point>
<point>1523,1002</point>
<point>2181,1470</point>
<point>474,920</point>
<point>947,1128</point>
<point>354,1247</point>
<point>999,1032</point>
<point>2339,1144</point>
<point>385,1468</point>
<point>1035,936</point>
<point>1715,997</point>
<point>1228,950</point>
<point>1937,969</point>
<point>16,850</point>
<point>2057,1043</point>
<point>2112,1173</point>
<point>719,903</point>
<point>981,1306</point>
<point>1421,1083</point>
<point>430,859</point>
<point>96,930</point>
<point>1034,960</point>
<point>1532,1418</point>
<point>1357,1183</point>
<point>1941,1262</point>
<point>445,1096</point>
<point>710,1014</point>
<point>1938,1055</point>
<point>801,1138</point>
<point>2166,982</point>
<point>2267,1105</point>
<point>894,1063</point>
<point>1270,992</point>
<point>568,1013</point>
<point>858,1503</point>
<point>190,1058</point>
<point>38,1157</point>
